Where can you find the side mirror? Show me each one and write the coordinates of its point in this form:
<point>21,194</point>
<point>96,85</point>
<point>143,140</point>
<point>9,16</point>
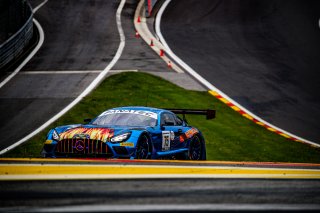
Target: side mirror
<point>87,120</point>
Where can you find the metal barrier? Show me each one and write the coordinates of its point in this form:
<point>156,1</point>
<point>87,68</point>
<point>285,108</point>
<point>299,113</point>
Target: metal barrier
<point>14,46</point>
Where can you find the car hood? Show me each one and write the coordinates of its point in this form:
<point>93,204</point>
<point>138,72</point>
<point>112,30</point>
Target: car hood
<point>95,132</point>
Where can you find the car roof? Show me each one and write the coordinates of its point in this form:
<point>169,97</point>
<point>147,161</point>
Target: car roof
<point>152,109</point>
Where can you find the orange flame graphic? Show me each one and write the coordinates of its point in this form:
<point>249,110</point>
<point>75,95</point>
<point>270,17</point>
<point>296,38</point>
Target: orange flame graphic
<point>102,134</point>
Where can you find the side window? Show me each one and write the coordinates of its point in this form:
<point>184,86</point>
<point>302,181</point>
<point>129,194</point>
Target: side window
<point>179,121</point>
<point>167,119</point>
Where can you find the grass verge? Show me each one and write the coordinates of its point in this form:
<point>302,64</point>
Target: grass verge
<point>229,137</point>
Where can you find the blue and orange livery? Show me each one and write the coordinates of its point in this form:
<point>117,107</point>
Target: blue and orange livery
<point>130,132</point>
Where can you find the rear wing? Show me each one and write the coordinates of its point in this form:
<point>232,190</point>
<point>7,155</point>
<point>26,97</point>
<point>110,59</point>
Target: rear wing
<point>209,113</point>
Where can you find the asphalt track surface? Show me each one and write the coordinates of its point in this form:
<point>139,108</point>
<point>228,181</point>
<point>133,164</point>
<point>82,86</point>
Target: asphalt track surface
<point>58,55</point>
<point>88,195</point>
<point>263,54</point>
<point>28,100</point>
<point>79,36</point>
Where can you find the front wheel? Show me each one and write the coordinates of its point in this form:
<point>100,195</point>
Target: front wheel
<point>143,148</point>
<point>196,149</point>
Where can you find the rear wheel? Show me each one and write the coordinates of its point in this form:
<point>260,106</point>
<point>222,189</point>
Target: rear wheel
<point>196,149</point>
<point>143,148</point>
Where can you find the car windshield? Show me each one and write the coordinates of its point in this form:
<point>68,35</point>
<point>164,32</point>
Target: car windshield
<point>126,118</point>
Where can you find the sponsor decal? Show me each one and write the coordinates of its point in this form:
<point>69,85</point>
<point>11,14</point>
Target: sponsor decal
<point>127,144</point>
<point>48,142</point>
<point>188,134</point>
<point>137,112</point>
<point>191,132</point>
<point>101,134</point>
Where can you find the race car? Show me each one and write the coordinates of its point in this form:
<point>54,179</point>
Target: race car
<point>130,132</point>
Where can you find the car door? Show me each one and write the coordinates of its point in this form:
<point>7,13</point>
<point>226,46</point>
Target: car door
<point>171,129</point>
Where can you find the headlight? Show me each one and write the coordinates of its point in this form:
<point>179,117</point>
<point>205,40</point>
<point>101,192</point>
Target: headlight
<point>120,138</point>
<point>55,135</point>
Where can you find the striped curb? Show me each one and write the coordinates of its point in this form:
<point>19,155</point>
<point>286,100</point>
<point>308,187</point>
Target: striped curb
<point>157,162</point>
<point>246,115</point>
<point>15,169</point>
<point>40,171</point>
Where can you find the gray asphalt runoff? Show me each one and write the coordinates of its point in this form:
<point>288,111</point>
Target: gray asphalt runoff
<point>263,54</point>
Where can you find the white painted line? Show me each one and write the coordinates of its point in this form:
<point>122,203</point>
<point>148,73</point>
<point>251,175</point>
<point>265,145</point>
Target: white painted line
<point>72,72</point>
<point>59,72</point>
<point>187,207</point>
<point>176,207</point>
<point>115,71</point>
<point>157,25</point>
<point>39,6</point>
<point>210,86</point>
<point>93,84</point>
<point>41,39</point>
<point>67,176</point>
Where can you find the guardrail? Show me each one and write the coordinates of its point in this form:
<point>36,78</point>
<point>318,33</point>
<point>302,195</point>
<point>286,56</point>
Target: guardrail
<point>14,46</point>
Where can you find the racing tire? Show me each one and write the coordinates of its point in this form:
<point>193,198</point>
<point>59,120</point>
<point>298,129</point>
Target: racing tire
<point>196,149</point>
<point>143,148</point>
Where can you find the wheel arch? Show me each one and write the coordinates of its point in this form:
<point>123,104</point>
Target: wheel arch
<point>150,147</point>
<point>147,134</point>
<point>203,145</point>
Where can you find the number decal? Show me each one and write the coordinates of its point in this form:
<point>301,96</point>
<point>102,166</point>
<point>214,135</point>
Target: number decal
<point>165,140</point>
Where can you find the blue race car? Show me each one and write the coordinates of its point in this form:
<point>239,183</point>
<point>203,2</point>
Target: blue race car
<point>130,132</point>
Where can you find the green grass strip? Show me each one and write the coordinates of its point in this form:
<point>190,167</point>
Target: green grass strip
<point>229,137</point>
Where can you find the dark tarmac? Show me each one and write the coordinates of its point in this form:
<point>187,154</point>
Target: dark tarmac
<point>263,54</point>
<point>26,195</point>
